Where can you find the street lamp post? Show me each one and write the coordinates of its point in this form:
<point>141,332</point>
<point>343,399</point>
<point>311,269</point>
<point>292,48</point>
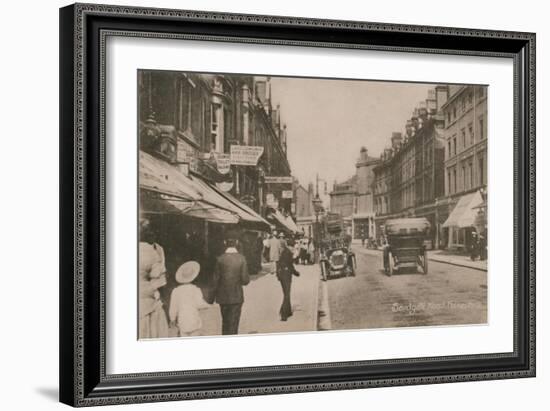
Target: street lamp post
<point>317,208</point>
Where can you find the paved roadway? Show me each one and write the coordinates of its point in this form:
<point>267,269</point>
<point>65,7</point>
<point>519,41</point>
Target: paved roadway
<point>447,295</point>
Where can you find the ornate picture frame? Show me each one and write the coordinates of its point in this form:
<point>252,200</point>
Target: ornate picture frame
<point>84,29</point>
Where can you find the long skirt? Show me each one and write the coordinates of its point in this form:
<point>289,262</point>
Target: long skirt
<point>154,324</point>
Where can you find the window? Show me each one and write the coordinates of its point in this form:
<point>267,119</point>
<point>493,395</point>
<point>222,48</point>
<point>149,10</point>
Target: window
<point>449,188</point>
<point>454,180</point>
<point>481,91</point>
<point>463,137</point>
<point>454,112</point>
<point>463,178</point>
<point>471,175</point>
<point>470,98</point>
<point>471,132</point>
<point>454,144</point>
<point>481,130</point>
<point>449,149</point>
<point>217,128</point>
<point>463,104</point>
<point>481,172</point>
<point>448,118</point>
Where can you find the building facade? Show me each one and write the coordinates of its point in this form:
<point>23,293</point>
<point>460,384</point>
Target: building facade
<point>200,116</point>
<point>410,176</point>
<point>354,198</point>
<point>465,173</point>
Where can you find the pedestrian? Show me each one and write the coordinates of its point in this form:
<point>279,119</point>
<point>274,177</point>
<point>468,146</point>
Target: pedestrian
<point>284,275</point>
<point>303,251</point>
<point>363,238</point>
<point>311,251</point>
<point>266,248</point>
<point>274,251</point>
<point>474,246</point>
<point>296,252</point>
<point>152,276</point>
<point>230,275</point>
<point>258,250</point>
<point>186,301</point>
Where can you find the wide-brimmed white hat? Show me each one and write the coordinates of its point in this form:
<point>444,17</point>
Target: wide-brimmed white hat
<point>187,272</point>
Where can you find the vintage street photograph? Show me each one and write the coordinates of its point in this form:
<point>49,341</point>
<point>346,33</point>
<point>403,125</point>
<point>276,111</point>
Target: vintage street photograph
<point>272,204</point>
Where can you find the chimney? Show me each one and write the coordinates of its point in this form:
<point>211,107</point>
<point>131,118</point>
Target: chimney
<point>431,102</point>
<point>395,139</point>
<point>363,154</point>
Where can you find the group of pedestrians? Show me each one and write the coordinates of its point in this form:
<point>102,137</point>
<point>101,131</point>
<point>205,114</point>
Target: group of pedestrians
<point>230,274</point>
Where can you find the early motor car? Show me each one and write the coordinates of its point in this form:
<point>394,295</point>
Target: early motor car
<point>404,244</point>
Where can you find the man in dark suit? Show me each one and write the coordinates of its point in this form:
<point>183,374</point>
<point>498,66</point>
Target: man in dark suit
<point>284,275</point>
<point>230,274</point>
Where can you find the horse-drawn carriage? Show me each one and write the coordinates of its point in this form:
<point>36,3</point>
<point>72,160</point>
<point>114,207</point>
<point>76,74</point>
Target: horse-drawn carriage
<point>405,244</point>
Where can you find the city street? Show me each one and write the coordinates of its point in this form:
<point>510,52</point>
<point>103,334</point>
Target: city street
<point>447,295</point>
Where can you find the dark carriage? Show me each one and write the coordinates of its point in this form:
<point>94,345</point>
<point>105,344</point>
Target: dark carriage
<point>405,244</point>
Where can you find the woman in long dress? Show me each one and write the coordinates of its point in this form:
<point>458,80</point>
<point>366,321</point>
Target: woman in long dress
<point>152,276</point>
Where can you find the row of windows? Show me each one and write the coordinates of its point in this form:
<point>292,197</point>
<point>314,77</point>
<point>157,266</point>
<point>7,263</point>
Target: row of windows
<point>464,103</point>
<point>467,138</point>
<point>466,176</point>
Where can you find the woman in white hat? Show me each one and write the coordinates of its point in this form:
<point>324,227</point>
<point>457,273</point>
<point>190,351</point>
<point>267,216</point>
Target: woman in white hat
<point>187,300</point>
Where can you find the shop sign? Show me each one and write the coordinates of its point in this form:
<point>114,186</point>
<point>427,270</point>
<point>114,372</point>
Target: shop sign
<point>223,162</point>
<point>278,180</point>
<point>287,194</point>
<point>271,201</point>
<point>245,155</point>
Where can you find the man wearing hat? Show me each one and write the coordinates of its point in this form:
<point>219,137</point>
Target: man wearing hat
<point>275,251</point>
<point>230,275</point>
<point>187,300</point>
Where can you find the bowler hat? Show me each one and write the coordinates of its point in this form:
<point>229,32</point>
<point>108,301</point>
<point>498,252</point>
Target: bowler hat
<point>187,272</point>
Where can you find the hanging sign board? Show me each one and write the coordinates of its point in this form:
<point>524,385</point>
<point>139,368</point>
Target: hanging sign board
<point>287,194</point>
<point>245,155</point>
<point>278,180</point>
<point>271,201</point>
<point>223,162</point>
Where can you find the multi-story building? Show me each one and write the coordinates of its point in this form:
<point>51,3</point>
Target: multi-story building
<point>200,116</point>
<point>303,208</point>
<point>465,172</point>
<point>354,198</point>
<point>409,177</point>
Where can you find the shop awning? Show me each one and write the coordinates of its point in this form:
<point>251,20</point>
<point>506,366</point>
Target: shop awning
<point>212,195</point>
<point>465,211</point>
<point>282,222</point>
<point>158,176</point>
<point>191,196</point>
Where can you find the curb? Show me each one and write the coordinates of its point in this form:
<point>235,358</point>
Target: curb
<point>464,265</point>
<point>317,290</point>
<point>435,259</point>
<point>323,311</point>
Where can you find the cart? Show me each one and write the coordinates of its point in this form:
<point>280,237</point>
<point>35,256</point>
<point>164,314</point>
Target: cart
<point>404,245</point>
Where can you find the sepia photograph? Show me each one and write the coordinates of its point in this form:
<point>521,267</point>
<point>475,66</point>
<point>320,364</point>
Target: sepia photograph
<point>275,204</point>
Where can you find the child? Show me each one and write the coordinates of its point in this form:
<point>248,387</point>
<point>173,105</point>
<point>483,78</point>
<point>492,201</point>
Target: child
<point>187,300</point>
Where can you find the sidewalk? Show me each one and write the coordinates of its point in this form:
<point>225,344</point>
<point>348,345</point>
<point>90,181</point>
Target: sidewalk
<point>441,256</point>
<point>262,300</point>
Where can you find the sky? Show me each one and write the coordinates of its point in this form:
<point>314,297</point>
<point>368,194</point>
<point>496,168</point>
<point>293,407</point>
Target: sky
<point>328,121</point>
